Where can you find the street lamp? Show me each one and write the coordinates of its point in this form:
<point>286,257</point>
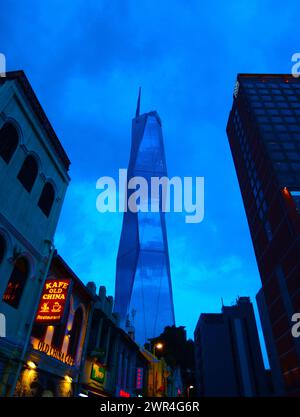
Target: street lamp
<point>31,365</point>
<point>157,346</point>
<point>188,390</point>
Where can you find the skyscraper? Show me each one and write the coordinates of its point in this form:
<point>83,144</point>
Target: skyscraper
<point>143,281</point>
<point>228,357</point>
<point>264,136</point>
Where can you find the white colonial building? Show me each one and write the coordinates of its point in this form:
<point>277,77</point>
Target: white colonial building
<point>33,182</point>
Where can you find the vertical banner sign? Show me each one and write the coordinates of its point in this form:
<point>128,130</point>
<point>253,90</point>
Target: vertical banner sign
<point>139,378</point>
<point>53,301</point>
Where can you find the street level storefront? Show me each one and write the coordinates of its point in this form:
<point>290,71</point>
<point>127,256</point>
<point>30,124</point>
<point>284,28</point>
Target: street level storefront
<point>114,365</point>
<point>58,338</point>
<point>160,377</point>
<point>132,367</point>
<point>99,371</point>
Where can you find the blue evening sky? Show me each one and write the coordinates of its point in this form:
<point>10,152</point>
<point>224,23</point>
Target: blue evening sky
<point>86,60</point>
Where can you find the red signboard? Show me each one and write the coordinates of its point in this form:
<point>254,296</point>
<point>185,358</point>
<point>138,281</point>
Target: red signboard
<point>124,393</point>
<point>53,301</point>
<point>139,378</point>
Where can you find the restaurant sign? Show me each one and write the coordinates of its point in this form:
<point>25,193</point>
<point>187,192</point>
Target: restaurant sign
<point>52,351</point>
<point>53,301</point>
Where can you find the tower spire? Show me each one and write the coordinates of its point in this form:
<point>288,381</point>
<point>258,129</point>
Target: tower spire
<point>137,113</point>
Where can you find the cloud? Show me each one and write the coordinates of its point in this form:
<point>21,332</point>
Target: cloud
<point>87,239</point>
<point>86,60</point>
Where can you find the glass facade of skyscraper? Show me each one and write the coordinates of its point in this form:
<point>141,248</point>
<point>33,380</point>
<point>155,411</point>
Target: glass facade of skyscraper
<point>143,281</point>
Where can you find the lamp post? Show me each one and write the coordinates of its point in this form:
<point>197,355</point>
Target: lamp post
<point>188,390</point>
<point>157,346</point>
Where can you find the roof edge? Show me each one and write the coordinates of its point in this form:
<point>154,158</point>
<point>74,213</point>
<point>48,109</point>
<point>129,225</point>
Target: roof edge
<point>21,78</point>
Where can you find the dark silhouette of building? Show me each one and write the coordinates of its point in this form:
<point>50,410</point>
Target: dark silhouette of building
<point>264,136</point>
<point>228,356</point>
<point>143,279</point>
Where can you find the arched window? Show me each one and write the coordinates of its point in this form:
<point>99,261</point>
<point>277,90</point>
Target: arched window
<point>2,248</point>
<point>75,332</point>
<point>59,333</point>
<point>46,199</point>
<point>28,172</point>
<point>9,140</point>
<point>16,283</point>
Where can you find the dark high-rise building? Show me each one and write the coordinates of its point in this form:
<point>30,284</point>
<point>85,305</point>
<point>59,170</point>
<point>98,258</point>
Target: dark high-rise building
<point>143,279</point>
<point>276,375</point>
<point>228,357</point>
<point>264,136</point>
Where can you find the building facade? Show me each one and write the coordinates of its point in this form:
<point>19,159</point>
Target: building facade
<point>159,381</point>
<point>34,178</point>
<point>264,134</point>
<point>143,279</point>
<point>114,365</point>
<point>228,356</point>
<point>276,377</point>
<point>56,353</point>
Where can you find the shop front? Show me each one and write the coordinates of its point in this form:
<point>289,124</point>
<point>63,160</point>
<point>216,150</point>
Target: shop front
<point>95,380</point>
<point>58,338</point>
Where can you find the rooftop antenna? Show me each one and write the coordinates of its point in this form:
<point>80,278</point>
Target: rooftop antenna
<point>138,106</point>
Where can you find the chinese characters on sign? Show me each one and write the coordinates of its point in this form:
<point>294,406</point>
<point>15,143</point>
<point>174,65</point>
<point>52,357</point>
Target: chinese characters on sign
<point>53,301</point>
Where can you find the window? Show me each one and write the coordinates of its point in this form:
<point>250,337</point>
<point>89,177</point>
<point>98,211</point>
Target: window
<point>275,91</point>
<point>282,167</point>
<point>9,140</point>
<point>290,119</point>
<point>259,111</point>
<point>288,145</point>
<point>268,230</point>
<point>2,248</point>
<point>265,127</point>
<point>296,198</point>
<point>296,166</point>
<point>28,172</point>
<point>278,156</point>
<point>276,119</point>
<point>16,283</point>
<point>263,119</point>
<point>39,331</point>
<point>280,128</point>
<point>58,335</point>
<point>266,98</point>
<point>46,199</point>
<point>75,332</point>
<point>293,155</point>
<point>294,128</point>
<point>272,111</point>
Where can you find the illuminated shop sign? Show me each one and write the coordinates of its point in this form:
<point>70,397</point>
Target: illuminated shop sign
<point>53,301</point>
<point>98,373</point>
<point>123,393</point>
<point>53,352</point>
<point>139,378</point>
